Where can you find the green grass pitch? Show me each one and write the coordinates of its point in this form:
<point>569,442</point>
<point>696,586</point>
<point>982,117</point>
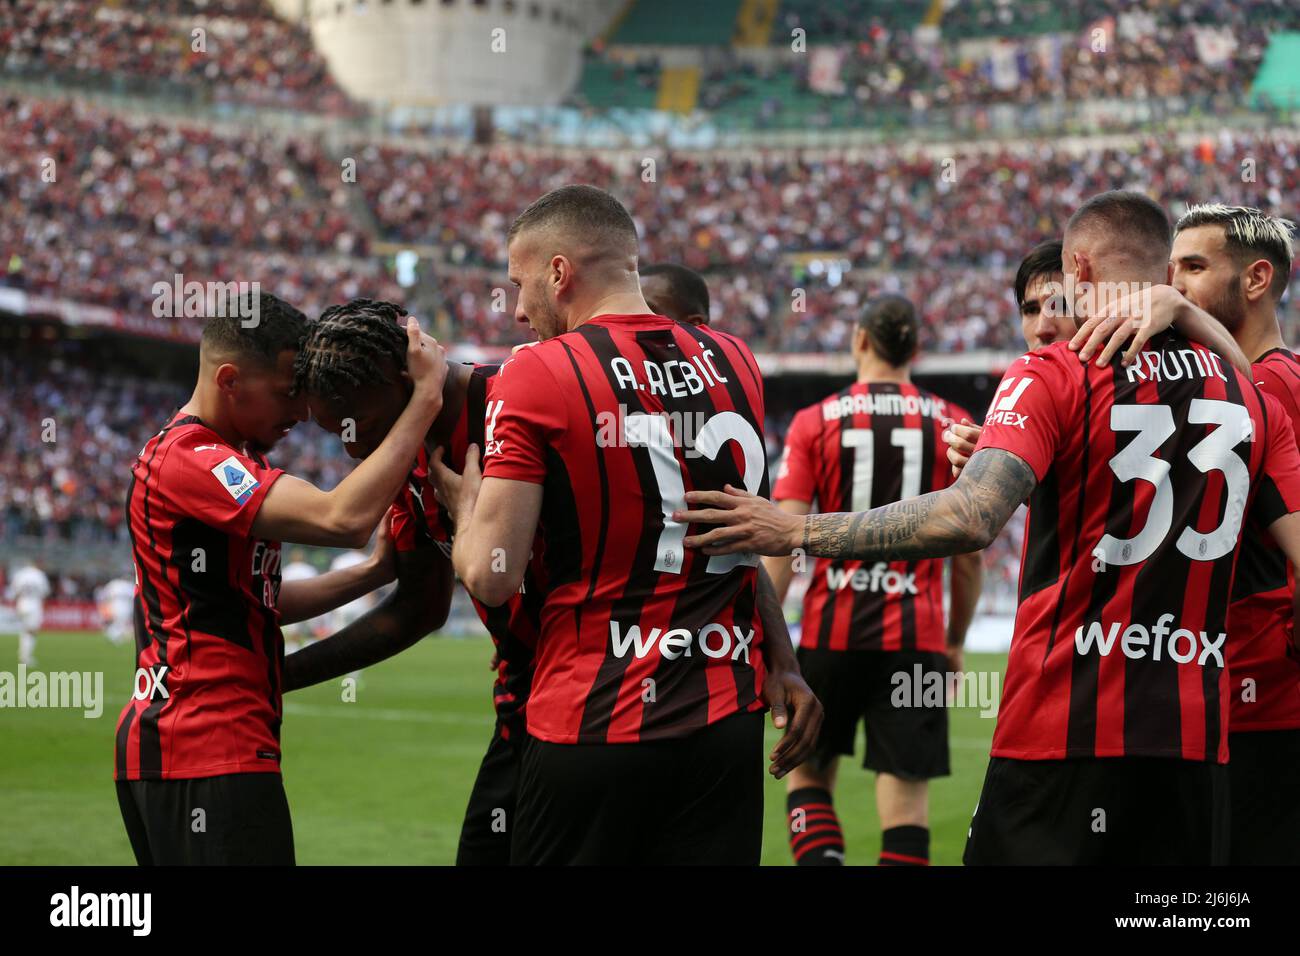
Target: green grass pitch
<point>381,780</point>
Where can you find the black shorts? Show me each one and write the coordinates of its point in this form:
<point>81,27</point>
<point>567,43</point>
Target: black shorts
<point>1112,811</point>
<point>490,817</point>
<point>909,742</point>
<point>693,800</point>
<point>1264,767</point>
<point>237,819</point>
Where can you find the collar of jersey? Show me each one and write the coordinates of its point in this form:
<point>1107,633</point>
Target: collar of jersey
<point>647,319</point>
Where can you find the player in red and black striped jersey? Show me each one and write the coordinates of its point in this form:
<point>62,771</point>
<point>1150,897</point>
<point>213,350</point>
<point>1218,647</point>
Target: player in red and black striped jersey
<point>1234,261</point>
<point>653,667</point>
<point>879,440</point>
<point>350,370</point>
<point>207,515</point>
<point>1112,730</point>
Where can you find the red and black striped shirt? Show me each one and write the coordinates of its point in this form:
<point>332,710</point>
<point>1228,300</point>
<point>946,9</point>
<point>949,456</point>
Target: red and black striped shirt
<point>420,520</point>
<point>206,625</point>
<point>870,445</point>
<point>641,638</point>
<point>1145,475</point>
<point>1265,676</point>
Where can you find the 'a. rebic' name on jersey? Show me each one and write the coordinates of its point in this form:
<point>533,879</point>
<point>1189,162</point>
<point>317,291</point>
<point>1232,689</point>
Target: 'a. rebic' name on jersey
<point>1265,677</point>
<point>870,445</point>
<point>419,520</point>
<point>1145,476</point>
<point>642,639</point>
<point>207,629</point>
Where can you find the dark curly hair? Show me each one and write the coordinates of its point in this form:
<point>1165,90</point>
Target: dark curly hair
<point>354,345</point>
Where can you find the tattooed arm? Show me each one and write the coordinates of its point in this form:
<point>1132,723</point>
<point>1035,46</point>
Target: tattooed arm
<point>963,517</point>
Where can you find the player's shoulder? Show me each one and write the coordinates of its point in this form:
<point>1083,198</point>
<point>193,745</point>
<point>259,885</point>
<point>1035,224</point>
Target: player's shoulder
<point>534,359</point>
<point>1278,373</point>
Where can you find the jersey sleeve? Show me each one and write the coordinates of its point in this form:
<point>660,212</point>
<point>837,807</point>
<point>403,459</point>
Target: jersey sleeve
<point>796,476</point>
<point>1025,416</point>
<point>402,526</point>
<point>210,481</point>
<point>525,415</point>
<point>1278,491</point>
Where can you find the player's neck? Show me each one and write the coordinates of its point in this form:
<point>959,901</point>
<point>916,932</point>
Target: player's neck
<point>454,391</point>
<point>869,372</point>
<point>204,405</point>
<point>616,303</point>
<point>1259,334</point>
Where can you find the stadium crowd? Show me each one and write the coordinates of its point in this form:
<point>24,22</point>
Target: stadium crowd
<point>245,54</point>
<point>133,204</point>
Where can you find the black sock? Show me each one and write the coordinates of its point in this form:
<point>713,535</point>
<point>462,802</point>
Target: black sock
<point>905,846</point>
<point>815,835</point>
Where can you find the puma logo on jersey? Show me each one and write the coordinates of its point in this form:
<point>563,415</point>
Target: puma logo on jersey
<point>879,578</point>
<point>1138,640</point>
<point>714,640</point>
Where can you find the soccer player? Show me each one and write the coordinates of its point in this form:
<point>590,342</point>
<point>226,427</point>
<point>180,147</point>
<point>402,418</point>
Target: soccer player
<point>117,608</point>
<point>28,590</point>
<point>874,442</point>
<point>198,750</point>
<point>653,665</point>
<point>350,367</point>
<point>677,292</point>
<point>1234,261</point>
<point>1112,731</point>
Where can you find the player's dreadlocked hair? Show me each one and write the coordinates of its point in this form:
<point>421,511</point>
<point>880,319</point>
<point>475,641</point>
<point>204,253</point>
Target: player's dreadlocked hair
<point>359,343</point>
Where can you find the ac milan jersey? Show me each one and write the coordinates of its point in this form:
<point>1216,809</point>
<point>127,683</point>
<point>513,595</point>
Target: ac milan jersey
<point>420,520</point>
<point>209,650</point>
<point>866,446</point>
<point>1145,475</point>
<point>642,639</point>
<point>1264,677</point>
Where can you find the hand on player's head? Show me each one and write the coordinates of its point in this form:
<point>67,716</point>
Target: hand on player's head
<point>1133,319</point>
<point>426,360</point>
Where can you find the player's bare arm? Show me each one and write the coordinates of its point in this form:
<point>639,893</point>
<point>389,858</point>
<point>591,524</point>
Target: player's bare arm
<point>296,510</point>
<point>418,606</point>
<point>310,597</point>
<point>965,583</point>
<point>496,522</point>
<point>964,517</point>
<point>781,569</point>
<point>1135,318</point>
<point>795,708</point>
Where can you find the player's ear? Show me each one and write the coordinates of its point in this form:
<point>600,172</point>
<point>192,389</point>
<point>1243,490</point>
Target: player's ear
<point>226,376</point>
<point>861,342</point>
<point>1259,280</point>
<point>561,275</point>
